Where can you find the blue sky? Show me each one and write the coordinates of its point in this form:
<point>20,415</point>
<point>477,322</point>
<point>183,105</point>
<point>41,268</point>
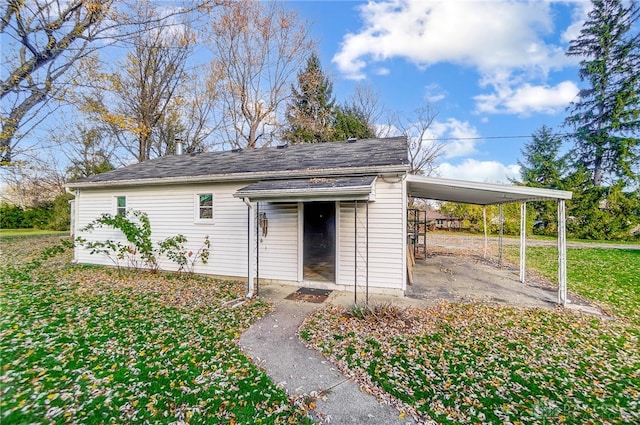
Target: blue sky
<point>495,70</point>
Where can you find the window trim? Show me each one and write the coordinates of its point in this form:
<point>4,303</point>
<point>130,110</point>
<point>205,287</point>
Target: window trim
<point>117,206</point>
<point>197,206</point>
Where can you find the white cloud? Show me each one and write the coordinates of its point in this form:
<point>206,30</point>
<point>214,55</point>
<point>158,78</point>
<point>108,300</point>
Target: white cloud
<point>464,137</point>
<point>434,93</point>
<point>382,71</point>
<point>474,33</point>
<point>527,98</point>
<point>479,171</point>
<point>579,15</point>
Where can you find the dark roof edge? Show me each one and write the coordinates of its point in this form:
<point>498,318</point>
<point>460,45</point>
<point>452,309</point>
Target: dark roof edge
<point>215,178</point>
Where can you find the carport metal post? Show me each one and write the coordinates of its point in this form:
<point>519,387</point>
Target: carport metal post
<point>486,236</point>
<point>501,219</point>
<point>355,252</point>
<point>523,240</point>
<point>562,254</point>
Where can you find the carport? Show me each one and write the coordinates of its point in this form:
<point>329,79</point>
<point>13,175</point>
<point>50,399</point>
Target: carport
<point>495,194</point>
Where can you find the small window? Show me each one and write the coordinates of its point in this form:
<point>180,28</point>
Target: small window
<point>121,205</point>
<point>204,207</point>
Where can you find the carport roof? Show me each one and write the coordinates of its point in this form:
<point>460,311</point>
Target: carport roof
<point>476,192</point>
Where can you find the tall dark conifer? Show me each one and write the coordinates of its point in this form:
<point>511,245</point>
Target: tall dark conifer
<point>606,116</point>
<point>310,111</point>
<point>544,166</point>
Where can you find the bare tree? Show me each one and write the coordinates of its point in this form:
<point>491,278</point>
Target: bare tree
<point>43,40</point>
<point>32,183</point>
<point>258,48</point>
<point>142,90</point>
<point>89,150</point>
<point>191,117</point>
<point>424,151</point>
<point>366,99</point>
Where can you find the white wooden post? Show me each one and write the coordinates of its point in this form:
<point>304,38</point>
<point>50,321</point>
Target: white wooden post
<point>486,238</point>
<point>251,236</point>
<point>500,235</point>
<point>523,240</point>
<point>355,252</point>
<point>562,254</point>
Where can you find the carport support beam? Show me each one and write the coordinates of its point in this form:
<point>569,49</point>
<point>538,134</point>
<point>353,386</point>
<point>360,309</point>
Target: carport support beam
<point>523,240</point>
<point>250,237</point>
<point>355,252</point>
<point>562,254</point>
<point>501,220</point>
<point>486,237</point>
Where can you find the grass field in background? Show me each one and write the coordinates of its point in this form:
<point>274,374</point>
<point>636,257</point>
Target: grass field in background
<point>610,277</point>
<point>13,233</point>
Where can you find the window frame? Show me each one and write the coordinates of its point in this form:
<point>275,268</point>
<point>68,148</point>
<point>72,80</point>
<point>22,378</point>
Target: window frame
<point>197,208</point>
<point>117,206</point>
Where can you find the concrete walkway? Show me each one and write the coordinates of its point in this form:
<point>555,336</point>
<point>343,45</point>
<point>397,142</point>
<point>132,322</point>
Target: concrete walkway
<point>273,344</point>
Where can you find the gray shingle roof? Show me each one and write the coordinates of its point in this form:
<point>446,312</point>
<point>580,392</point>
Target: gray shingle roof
<point>306,184</point>
<point>321,184</point>
<point>271,162</point>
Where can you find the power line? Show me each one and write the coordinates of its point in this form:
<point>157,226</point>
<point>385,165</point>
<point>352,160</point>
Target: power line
<point>445,139</point>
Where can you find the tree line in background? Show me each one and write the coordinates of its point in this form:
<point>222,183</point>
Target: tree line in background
<point>602,167</point>
<point>132,77</point>
<point>262,86</point>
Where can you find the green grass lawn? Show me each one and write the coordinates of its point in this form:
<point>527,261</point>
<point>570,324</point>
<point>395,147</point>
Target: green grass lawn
<point>470,363</point>
<point>90,345</point>
<point>13,233</point>
<point>609,277</point>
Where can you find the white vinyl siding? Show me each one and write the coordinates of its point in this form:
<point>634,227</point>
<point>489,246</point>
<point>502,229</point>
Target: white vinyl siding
<point>279,248</point>
<point>385,239</point>
<point>171,212</point>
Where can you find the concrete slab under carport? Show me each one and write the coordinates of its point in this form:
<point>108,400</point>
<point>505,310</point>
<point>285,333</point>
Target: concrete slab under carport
<point>471,278</point>
<point>485,194</point>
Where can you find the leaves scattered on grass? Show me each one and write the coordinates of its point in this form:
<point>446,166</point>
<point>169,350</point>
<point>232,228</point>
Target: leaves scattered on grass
<point>91,345</point>
<point>468,363</point>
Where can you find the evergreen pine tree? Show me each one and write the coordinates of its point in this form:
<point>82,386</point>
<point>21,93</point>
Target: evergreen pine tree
<point>310,111</point>
<point>350,122</point>
<point>543,166</point>
<point>606,116</point>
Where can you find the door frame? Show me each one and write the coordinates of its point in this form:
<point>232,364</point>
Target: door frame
<point>301,278</point>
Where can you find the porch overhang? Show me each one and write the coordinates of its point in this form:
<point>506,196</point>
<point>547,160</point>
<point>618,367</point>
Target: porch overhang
<point>476,192</point>
<point>359,188</point>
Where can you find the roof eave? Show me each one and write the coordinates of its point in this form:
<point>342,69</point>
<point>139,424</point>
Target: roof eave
<point>213,178</point>
<point>521,193</point>
<point>353,192</point>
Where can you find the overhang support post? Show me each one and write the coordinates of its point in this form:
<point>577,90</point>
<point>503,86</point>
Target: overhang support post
<point>355,252</point>
<point>250,235</point>
<point>257,290</point>
<point>562,254</point>
<point>486,237</point>
<point>523,240</point>
<point>367,253</point>
<point>501,219</point>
